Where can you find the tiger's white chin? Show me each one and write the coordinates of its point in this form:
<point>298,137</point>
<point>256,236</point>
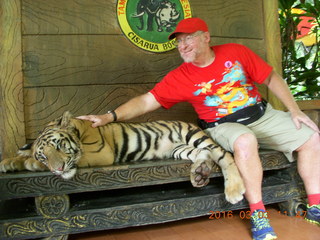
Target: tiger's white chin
<point>67,174</point>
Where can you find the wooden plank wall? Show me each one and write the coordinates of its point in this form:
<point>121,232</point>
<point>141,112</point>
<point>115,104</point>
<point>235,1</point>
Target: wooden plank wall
<point>12,131</point>
<point>76,58</point>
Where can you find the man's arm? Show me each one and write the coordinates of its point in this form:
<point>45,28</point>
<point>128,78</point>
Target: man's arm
<point>133,108</point>
<point>280,88</point>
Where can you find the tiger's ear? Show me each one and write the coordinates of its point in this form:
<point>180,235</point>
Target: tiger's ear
<point>65,119</point>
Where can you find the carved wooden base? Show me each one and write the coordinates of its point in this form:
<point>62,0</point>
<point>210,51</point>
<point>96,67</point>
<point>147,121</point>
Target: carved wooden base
<point>293,207</point>
<point>40,205</point>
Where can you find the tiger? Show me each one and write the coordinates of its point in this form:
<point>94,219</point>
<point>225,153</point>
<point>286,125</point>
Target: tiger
<point>68,143</point>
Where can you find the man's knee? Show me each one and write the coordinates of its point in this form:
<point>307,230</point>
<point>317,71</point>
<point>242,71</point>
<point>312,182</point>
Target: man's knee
<point>245,140</point>
<point>313,143</point>
<point>245,143</point>
<point>246,149</point>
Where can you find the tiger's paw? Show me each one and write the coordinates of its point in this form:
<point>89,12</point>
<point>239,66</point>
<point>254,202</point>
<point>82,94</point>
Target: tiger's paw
<point>234,189</point>
<point>200,172</point>
<point>33,165</point>
<point>12,164</point>
<point>20,163</point>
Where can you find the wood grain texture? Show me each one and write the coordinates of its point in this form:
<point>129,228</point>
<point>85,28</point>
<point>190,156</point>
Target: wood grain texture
<point>86,60</point>
<point>11,85</point>
<point>76,58</point>
<point>309,104</point>
<point>230,18</point>
<point>91,59</point>
<point>273,44</point>
<point>88,77</point>
<point>312,109</point>
<point>69,17</point>
<point>45,104</point>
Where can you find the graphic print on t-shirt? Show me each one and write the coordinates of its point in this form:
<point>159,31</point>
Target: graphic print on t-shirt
<point>229,94</point>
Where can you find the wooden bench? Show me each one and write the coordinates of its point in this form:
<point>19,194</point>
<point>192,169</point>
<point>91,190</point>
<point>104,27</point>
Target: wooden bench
<point>41,205</point>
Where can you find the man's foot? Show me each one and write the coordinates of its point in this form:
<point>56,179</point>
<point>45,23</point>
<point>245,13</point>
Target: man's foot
<point>313,214</point>
<point>260,226</point>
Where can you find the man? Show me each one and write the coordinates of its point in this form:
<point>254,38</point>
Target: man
<point>219,82</point>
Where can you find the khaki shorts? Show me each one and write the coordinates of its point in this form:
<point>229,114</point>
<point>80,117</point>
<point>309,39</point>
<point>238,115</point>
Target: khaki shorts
<point>274,130</point>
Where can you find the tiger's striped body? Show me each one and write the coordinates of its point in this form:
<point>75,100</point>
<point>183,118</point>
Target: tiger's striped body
<point>68,143</point>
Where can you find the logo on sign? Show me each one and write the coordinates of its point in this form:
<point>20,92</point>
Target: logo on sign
<point>148,23</point>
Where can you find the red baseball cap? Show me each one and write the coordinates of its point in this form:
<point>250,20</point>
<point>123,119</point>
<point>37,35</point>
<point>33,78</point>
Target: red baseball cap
<point>189,25</point>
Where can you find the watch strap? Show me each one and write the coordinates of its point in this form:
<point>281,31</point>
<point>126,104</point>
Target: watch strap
<point>113,114</point>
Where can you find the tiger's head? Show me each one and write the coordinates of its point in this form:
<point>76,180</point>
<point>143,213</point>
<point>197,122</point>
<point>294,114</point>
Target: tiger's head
<point>58,147</point>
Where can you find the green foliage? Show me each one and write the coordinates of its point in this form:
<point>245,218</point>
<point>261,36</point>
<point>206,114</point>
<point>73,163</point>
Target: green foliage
<point>300,64</point>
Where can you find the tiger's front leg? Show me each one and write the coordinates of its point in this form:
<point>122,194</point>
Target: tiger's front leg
<point>233,182</point>
<point>204,159</point>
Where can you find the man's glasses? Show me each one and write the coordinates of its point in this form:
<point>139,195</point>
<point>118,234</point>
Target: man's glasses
<point>188,39</point>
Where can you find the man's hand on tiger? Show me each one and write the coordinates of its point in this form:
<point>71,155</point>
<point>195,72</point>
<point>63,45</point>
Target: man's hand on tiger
<point>97,120</point>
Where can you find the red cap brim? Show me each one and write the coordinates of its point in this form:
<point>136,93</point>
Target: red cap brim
<point>189,25</point>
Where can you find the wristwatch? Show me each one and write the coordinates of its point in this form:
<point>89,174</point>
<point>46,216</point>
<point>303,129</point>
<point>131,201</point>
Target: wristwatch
<point>113,114</point>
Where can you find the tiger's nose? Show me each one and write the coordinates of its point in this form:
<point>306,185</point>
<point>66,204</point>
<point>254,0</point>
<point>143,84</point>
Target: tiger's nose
<point>61,167</point>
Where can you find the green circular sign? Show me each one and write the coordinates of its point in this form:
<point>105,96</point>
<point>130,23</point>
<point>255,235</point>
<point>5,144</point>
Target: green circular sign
<point>148,23</point>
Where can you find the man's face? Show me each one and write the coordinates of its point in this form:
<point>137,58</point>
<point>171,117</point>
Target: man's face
<point>191,45</point>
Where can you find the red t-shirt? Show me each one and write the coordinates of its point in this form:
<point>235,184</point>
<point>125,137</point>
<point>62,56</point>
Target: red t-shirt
<point>222,88</point>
